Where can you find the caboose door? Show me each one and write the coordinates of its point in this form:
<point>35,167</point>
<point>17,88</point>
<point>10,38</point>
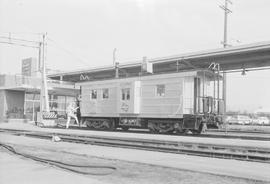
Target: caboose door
<point>125,100</point>
<point>129,102</point>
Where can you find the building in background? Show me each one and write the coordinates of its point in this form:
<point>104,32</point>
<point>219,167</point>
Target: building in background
<point>20,94</point>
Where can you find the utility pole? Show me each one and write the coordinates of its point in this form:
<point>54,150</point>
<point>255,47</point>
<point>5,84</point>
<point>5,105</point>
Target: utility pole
<point>226,12</point>
<point>114,56</point>
<point>225,44</point>
<point>44,103</point>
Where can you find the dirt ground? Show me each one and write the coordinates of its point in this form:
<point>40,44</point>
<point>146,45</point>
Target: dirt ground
<point>133,166</point>
<point>128,172</point>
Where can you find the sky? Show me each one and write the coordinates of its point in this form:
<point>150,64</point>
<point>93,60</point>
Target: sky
<point>84,33</point>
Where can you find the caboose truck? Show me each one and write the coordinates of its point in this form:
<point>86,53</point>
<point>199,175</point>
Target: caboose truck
<point>162,103</point>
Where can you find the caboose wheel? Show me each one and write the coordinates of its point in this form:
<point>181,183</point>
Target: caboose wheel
<point>187,131</point>
<point>112,125</point>
<point>165,127</point>
<point>153,131</point>
<point>88,124</point>
<point>125,128</point>
<point>153,128</point>
<point>195,132</point>
<point>100,124</point>
<point>179,131</point>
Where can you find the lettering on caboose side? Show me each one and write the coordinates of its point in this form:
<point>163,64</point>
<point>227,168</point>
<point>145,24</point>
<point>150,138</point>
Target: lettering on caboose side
<point>124,107</point>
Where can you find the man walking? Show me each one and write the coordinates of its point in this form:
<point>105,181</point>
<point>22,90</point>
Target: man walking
<point>71,109</point>
<point>78,113</point>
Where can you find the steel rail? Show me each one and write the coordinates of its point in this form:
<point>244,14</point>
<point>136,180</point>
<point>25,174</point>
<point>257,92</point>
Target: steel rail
<point>246,153</point>
<point>208,134</point>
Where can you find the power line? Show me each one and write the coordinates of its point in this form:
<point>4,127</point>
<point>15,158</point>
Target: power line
<point>18,44</point>
<point>17,39</point>
<point>69,52</point>
<point>25,33</point>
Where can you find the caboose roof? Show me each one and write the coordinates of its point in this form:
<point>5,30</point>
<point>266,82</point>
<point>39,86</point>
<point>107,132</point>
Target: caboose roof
<point>142,78</point>
<point>230,58</point>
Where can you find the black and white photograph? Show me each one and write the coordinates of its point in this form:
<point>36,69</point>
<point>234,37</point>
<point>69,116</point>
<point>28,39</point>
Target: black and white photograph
<point>134,92</point>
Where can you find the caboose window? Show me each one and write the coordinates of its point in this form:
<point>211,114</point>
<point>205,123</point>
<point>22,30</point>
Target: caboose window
<point>160,90</point>
<point>94,94</point>
<point>126,94</point>
<point>123,94</point>
<point>105,93</point>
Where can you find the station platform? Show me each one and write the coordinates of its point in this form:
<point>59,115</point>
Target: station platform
<point>121,134</point>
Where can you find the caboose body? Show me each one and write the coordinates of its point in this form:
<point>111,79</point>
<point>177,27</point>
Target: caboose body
<point>160,102</point>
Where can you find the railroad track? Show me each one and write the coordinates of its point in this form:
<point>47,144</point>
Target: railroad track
<point>239,131</point>
<point>200,149</point>
<point>208,134</point>
<point>244,136</point>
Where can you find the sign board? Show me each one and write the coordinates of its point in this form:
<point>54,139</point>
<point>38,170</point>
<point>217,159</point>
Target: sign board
<point>26,67</point>
<point>48,119</point>
<point>29,67</point>
<point>49,115</point>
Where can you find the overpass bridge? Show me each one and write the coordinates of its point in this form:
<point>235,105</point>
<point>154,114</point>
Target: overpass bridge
<point>244,57</point>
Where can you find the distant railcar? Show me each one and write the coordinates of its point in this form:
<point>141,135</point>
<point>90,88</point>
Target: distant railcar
<point>175,102</point>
